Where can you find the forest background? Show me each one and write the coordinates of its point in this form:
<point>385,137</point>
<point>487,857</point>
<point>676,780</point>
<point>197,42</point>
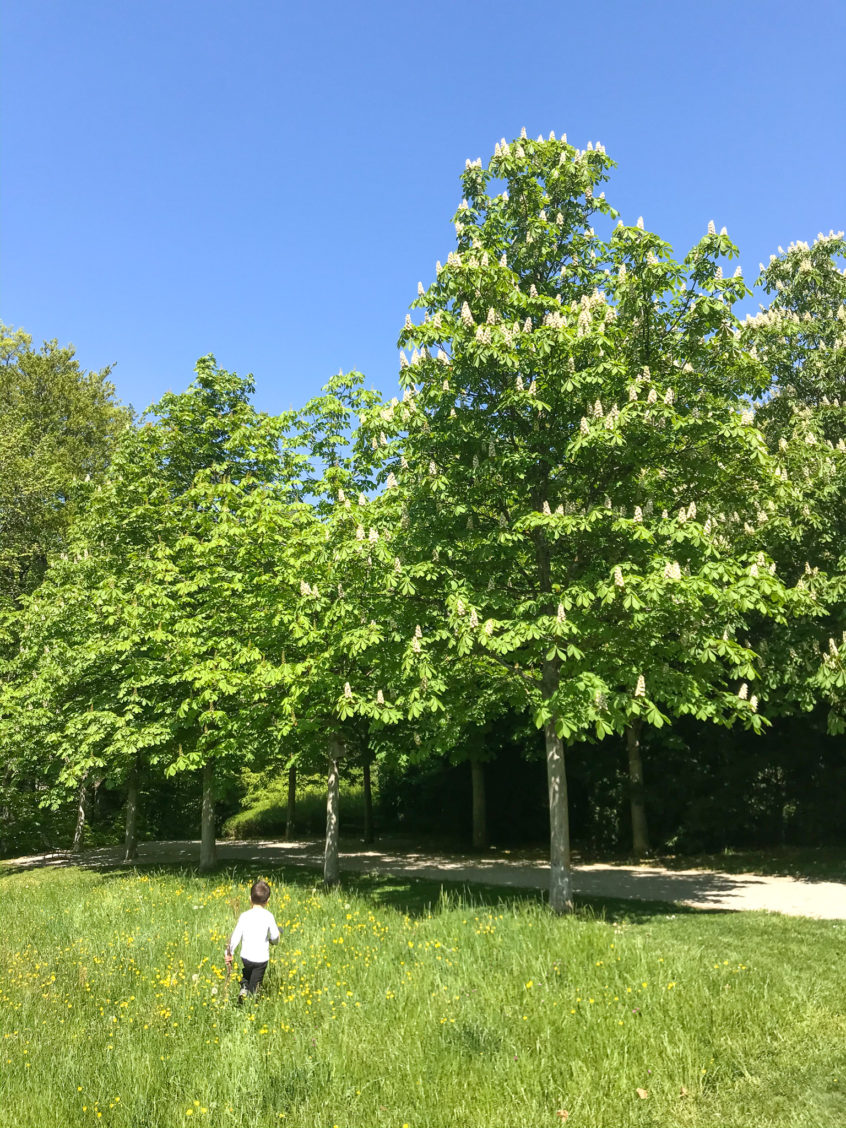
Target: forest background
<point>601,515</point>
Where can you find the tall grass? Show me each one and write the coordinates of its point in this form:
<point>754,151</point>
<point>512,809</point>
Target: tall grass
<point>113,1011</point>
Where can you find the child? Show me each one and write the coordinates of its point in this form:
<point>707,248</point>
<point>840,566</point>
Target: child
<point>254,930</point>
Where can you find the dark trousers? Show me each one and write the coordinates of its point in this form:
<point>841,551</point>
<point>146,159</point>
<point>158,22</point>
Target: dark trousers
<point>252,976</point>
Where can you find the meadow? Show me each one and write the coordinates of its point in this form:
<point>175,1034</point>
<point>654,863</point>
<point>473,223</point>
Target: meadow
<point>394,1003</point>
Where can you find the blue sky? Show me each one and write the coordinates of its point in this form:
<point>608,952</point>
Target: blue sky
<point>268,181</point>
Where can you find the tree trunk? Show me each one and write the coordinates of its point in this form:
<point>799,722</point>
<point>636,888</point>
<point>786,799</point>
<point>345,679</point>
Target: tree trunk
<point>480,820</point>
<point>560,873</point>
<point>81,811</point>
<point>130,849</point>
<point>640,833</point>
<point>331,865</point>
<point>208,848</point>
<point>290,816</point>
<point>368,801</point>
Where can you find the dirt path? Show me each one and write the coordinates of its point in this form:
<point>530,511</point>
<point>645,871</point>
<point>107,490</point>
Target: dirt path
<point>702,889</point>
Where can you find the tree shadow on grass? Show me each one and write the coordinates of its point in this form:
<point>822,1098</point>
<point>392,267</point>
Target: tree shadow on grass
<point>413,896</point>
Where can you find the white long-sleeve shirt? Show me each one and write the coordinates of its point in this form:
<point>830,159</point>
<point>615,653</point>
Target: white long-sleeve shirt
<point>255,931</point>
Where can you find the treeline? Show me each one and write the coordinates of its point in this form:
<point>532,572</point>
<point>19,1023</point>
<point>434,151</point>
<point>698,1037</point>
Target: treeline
<point>602,513</point>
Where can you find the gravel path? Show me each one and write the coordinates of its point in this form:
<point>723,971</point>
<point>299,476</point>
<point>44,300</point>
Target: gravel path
<point>701,889</point>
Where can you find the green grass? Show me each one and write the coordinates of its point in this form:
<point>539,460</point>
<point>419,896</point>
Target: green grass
<point>265,816</point>
<point>391,1003</point>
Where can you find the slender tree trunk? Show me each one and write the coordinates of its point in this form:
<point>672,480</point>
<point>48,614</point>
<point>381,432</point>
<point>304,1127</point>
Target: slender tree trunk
<point>81,812</point>
<point>560,873</point>
<point>331,864</point>
<point>208,847</point>
<point>637,798</point>
<point>368,801</point>
<point>290,815</point>
<point>480,818</point>
<point>130,850</point>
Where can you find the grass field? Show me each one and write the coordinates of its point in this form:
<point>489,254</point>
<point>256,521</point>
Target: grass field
<point>387,1005</point>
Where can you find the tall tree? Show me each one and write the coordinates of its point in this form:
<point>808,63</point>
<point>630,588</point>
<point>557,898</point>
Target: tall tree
<point>800,338</point>
<point>145,650</point>
<point>342,635</point>
<point>576,447</point>
<point>58,426</point>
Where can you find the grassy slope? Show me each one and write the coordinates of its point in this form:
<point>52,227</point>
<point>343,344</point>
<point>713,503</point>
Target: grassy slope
<point>381,1010</point>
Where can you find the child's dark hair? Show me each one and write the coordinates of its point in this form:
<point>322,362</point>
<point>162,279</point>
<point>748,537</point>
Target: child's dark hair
<point>260,893</point>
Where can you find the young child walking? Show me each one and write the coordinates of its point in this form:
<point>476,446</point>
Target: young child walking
<point>255,931</point>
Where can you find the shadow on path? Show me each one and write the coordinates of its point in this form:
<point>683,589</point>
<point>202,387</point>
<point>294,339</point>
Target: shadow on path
<point>698,889</point>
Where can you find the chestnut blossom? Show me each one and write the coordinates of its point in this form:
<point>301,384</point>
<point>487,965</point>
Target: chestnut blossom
<point>618,577</point>
<point>640,688</point>
<point>347,691</point>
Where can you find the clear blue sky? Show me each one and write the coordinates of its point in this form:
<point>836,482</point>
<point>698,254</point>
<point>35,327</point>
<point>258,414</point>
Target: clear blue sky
<point>268,181</point>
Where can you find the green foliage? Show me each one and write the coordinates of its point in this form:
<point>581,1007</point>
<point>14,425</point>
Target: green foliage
<point>801,337</point>
<point>58,426</point>
<point>602,504</point>
<point>134,646</point>
<point>579,460</point>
